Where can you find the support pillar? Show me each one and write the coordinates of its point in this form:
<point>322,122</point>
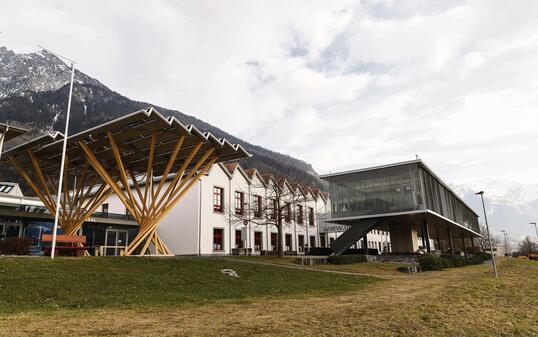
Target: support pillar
<point>450,242</point>
<point>426,235</point>
<point>463,242</point>
<point>472,245</point>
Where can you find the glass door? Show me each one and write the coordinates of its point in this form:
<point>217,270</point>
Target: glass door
<point>116,240</point>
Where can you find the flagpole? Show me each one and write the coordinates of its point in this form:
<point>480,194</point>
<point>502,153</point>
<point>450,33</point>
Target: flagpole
<point>62,165</point>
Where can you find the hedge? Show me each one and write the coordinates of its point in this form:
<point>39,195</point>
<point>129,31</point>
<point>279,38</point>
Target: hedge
<point>15,246</point>
<point>431,262</point>
<point>346,259</point>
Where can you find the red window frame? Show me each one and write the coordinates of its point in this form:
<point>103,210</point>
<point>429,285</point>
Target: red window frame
<point>300,218</point>
<point>257,206</point>
<point>238,241</point>
<point>311,220</point>
<point>258,237</point>
<point>218,199</point>
<point>218,239</point>
<point>239,203</point>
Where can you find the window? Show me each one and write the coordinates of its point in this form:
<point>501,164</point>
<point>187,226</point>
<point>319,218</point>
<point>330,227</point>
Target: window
<point>311,217</point>
<point>5,188</point>
<point>288,242</point>
<point>218,199</point>
<point>300,219</point>
<point>301,243</point>
<point>257,206</point>
<point>274,237</point>
<point>257,241</point>
<point>312,241</point>
<point>238,241</point>
<point>287,210</point>
<point>274,209</point>
<point>218,239</point>
<point>239,203</point>
<point>322,241</point>
<point>104,208</point>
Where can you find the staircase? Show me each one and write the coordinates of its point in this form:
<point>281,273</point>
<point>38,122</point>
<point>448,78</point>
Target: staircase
<point>356,231</point>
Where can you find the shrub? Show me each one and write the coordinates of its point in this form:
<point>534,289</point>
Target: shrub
<point>346,259</point>
<point>15,246</point>
<point>475,259</point>
<point>446,263</point>
<point>485,256</point>
<point>457,261</point>
<point>430,262</point>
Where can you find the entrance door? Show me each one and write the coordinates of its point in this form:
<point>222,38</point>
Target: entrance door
<point>8,230</point>
<point>116,240</point>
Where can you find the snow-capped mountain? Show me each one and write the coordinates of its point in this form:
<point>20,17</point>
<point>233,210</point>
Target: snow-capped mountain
<point>35,72</point>
<point>33,94</point>
<point>510,205</point>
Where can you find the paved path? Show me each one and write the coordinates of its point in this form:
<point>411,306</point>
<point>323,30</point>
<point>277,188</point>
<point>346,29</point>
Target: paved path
<point>289,266</point>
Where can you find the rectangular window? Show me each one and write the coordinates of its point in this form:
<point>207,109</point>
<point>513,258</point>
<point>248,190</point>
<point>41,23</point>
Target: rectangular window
<point>239,203</point>
<point>274,209</point>
<point>322,241</point>
<point>301,243</point>
<point>300,219</point>
<point>104,208</point>
<point>288,242</point>
<point>311,217</point>
<point>274,237</point>
<point>257,206</point>
<point>287,210</point>
<point>218,239</point>
<point>238,241</point>
<point>257,241</point>
<point>312,241</point>
<point>218,199</point>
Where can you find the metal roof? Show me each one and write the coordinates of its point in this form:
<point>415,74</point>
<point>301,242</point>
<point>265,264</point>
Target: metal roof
<point>132,134</point>
<point>11,131</point>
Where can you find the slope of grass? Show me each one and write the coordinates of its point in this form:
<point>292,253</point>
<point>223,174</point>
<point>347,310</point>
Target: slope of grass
<point>28,284</point>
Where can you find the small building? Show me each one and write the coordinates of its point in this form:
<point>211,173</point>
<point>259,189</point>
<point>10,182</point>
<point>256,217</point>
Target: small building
<point>407,200</point>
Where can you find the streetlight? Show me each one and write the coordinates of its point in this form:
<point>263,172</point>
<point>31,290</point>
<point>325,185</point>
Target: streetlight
<point>535,227</point>
<point>60,180</point>
<point>481,193</point>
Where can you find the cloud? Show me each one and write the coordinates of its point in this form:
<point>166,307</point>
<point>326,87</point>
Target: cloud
<point>341,84</point>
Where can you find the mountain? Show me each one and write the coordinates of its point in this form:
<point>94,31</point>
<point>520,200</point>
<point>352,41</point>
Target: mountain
<point>510,205</point>
<point>33,94</point>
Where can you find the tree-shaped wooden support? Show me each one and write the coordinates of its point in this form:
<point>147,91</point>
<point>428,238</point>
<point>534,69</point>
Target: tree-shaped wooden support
<point>83,191</point>
<point>148,203</point>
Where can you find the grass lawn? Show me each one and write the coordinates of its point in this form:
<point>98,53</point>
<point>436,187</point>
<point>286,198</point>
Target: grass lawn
<point>457,302</point>
<point>30,284</point>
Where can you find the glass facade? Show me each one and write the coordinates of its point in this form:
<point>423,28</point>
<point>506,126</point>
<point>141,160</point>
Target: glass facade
<point>394,189</point>
<point>378,191</point>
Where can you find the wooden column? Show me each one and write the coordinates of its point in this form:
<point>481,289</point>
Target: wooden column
<point>147,204</point>
<point>450,242</point>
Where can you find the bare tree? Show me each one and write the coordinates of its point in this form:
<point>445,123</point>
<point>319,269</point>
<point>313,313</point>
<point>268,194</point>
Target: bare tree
<point>527,245</point>
<point>483,242</point>
<point>282,203</point>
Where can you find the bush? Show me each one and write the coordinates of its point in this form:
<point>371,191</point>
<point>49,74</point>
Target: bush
<point>446,263</point>
<point>475,259</point>
<point>484,256</point>
<point>15,246</point>
<point>430,262</point>
<point>346,259</point>
<point>457,261</point>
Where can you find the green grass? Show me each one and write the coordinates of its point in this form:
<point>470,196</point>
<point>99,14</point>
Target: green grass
<point>37,284</point>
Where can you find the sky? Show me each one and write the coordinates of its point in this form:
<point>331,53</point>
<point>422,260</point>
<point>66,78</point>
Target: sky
<point>340,84</point>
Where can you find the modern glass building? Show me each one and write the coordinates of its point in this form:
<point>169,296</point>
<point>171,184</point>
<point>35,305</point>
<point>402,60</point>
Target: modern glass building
<point>406,197</point>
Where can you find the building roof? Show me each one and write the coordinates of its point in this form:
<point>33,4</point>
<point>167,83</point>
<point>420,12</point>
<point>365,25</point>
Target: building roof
<point>11,131</point>
<point>133,134</point>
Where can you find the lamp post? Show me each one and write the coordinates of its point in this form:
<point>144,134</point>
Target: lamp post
<point>64,148</point>
<point>535,227</point>
<point>505,234</point>
<point>481,193</point>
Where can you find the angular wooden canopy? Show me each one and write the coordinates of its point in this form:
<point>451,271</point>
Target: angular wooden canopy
<point>122,155</point>
<point>9,131</point>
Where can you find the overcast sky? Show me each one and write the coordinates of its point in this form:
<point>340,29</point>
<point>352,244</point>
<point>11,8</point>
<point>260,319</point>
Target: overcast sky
<point>340,84</point>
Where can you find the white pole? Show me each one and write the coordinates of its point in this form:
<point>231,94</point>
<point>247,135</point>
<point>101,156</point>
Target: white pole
<point>60,180</point>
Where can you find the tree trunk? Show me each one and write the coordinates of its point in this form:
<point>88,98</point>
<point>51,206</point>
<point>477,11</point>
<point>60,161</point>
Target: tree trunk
<point>279,248</point>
